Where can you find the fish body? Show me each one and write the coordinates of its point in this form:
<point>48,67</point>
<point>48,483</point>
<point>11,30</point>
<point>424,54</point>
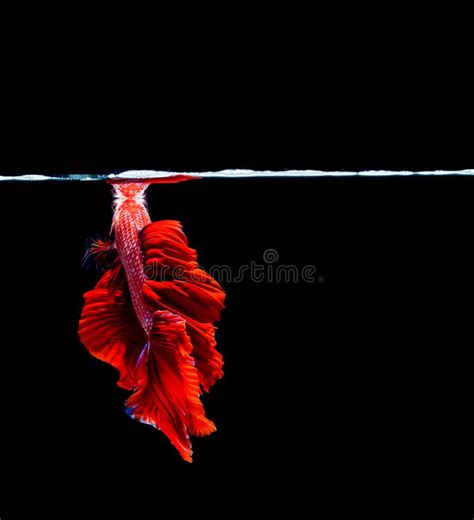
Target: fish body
<point>151,316</point>
<point>130,217</point>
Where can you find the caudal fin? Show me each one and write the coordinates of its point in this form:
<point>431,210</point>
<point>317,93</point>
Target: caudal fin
<point>167,385</point>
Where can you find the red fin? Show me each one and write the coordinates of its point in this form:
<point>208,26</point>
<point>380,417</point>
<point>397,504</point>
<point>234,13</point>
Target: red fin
<point>115,280</point>
<point>191,296</point>
<point>208,360</point>
<point>177,284</point>
<point>108,327</point>
<point>101,251</point>
<point>167,388</point>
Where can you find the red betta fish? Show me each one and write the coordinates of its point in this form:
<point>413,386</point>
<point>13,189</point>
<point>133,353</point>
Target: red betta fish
<point>151,316</point>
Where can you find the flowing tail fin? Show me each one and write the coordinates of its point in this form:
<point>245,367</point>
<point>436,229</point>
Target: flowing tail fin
<point>167,386</point>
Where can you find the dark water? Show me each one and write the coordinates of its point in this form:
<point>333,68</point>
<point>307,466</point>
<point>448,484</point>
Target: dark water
<point>352,376</point>
<point>338,396</point>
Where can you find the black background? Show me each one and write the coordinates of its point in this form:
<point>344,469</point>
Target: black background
<point>334,392</point>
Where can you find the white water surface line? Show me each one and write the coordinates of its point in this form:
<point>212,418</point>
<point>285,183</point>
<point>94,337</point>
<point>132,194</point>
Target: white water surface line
<point>142,175</point>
